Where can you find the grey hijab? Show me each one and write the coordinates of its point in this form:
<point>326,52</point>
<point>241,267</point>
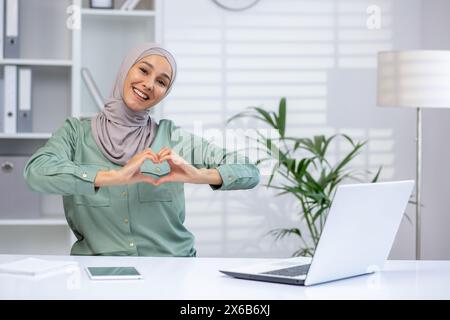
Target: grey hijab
<point>120,132</point>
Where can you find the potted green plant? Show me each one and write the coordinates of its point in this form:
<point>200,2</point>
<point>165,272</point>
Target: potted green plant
<point>303,171</point>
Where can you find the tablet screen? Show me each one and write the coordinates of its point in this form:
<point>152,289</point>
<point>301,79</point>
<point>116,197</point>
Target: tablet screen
<point>113,273</point>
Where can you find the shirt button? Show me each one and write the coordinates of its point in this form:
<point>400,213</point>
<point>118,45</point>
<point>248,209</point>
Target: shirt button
<point>230,178</point>
<point>84,175</point>
<point>125,220</point>
<point>157,169</point>
<point>124,194</point>
<point>131,244</point>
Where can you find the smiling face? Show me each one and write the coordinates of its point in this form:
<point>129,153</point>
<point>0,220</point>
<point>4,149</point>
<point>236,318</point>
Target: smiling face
<point>147,82</point>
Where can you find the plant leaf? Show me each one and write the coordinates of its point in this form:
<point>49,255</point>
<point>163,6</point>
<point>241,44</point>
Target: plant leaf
<point>282,117</point>
<point>281,233</point>
<point>267,116</point>
<point>375,179</point>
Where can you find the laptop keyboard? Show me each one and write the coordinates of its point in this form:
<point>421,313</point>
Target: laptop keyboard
<point>291,271</point>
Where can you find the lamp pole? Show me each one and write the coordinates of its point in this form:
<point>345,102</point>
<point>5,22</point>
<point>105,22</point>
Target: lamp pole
<point>415,79</point>
<point>418,182</point>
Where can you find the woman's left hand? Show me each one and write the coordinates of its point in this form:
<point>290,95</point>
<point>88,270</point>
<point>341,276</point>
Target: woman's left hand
<point>183,171</point>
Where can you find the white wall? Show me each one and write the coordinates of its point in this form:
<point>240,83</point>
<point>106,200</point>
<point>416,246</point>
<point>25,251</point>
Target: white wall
<point>436,130</point>
<point>322,57</point>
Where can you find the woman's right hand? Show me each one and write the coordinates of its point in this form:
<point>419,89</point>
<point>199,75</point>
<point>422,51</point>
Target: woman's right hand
<point>128,174</point>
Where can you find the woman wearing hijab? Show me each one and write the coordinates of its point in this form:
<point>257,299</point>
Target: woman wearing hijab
<point>119,175</point>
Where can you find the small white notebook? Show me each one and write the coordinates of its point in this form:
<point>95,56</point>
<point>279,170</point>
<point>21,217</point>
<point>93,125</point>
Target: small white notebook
<point>35,267</point>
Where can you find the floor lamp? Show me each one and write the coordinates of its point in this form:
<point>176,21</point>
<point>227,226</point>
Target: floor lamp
<point>416,79</point>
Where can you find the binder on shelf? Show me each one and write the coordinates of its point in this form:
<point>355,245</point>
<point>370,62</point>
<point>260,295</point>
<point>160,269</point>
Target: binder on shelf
<point>93,89</point>
<point>2,22</point>
<point>2,101</point>
<point>129,4</point>
<point>24,112</point>
<point>10,100</point>
<point>125,5</point>
<point>11,38</point>
<point>101,4</point>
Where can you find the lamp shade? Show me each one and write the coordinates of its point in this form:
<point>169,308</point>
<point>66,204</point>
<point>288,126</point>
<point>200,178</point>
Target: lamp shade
<point>417,78</point>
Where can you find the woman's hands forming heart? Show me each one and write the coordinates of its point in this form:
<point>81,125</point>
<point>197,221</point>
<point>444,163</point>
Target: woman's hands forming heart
<point>180,171</point>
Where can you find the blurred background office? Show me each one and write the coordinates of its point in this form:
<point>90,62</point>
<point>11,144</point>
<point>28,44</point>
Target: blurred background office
<point>319,54</point>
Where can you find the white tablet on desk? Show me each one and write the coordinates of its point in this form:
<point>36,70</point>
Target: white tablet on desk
<point>113,273</point>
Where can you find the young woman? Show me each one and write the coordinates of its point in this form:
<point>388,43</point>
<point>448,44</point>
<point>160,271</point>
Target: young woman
<point>119,175</point>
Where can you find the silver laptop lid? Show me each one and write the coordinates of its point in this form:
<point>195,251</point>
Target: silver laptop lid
<point>360,230</point>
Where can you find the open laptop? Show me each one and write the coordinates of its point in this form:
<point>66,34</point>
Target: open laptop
<point>356,239</point>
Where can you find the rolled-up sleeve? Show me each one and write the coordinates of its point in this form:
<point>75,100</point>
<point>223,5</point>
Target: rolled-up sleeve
<point>52,170</point>
<point>237,176</point>
<point>236,170</point>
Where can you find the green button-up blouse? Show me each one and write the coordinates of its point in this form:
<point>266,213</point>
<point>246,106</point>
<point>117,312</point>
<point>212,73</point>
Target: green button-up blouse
<point>136,219</point>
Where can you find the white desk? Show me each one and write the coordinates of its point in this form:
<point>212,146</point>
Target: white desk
<point>199,278</point>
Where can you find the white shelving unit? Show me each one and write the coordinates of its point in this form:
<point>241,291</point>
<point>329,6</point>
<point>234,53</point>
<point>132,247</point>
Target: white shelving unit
<point>118,13</point>
<point>56,60</point>
<point>25,135</point>
<point>33,222</point>
<point>37,62</point>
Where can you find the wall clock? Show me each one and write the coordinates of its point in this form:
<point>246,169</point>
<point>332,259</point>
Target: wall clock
<point>235,5</point>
